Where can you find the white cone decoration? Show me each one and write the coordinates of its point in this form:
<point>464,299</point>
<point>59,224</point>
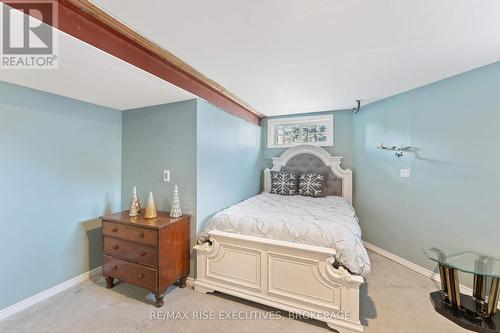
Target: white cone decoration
<point>150,212</point>
<point>175,211</point>
<point>135,206</point>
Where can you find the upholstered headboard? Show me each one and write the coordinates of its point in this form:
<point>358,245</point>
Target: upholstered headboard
<point>309,158</point>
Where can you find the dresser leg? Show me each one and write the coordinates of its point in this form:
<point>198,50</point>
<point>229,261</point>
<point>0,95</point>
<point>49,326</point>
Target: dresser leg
<point>159,300</point>
<point>109,282</point>
<point>182,282</point>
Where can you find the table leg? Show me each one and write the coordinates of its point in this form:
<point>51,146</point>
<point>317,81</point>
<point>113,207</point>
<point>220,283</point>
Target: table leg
<point>442,274</point>
<point>479,287</point>
<point>453,287</point>
<point>493,297</point>
<point>479,293</point>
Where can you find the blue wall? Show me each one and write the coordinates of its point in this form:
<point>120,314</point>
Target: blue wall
<point>62,166</point>
<point>342,138</point>
<point>452,197</point>
<point>160,138</point>
<point>60,169</point>
<point>229,160</point>
<point>214,157</point>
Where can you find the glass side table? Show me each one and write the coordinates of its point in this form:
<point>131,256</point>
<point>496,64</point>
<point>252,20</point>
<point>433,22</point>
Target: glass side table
<point>479,311</point>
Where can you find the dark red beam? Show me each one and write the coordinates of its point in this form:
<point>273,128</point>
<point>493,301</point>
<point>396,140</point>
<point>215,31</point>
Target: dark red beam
<point>86,22</point>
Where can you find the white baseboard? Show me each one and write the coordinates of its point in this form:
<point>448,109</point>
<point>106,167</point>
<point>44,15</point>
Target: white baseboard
<point>408,264</point>
<point>414,267</point>
<point>25,303</point>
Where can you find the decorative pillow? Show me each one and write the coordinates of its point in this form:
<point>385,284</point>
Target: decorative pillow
<point>312,184</point>
<point>284,183</point>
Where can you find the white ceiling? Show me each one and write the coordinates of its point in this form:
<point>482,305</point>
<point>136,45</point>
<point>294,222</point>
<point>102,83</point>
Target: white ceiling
<point>91,75</point>
<point>293,56</point>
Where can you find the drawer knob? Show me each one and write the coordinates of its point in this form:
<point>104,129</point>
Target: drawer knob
<point>115,267</point>
<point>114,230</point>
<point>142,254</point>
<point>141,275</point>
<point>141,235</point>
<point>115,247</point>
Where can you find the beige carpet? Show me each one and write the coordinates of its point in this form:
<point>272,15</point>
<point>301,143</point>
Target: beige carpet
<point>394,299</point>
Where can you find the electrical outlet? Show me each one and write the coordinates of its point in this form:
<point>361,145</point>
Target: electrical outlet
<point>166,176</point>
<point>405,173</point>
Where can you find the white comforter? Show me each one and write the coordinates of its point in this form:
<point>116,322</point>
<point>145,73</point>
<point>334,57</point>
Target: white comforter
<point>327,222</point>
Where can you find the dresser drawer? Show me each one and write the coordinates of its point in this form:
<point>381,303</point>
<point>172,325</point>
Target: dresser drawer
<point>135,234</point>
<point>131,251</point>
<point>129,272</point>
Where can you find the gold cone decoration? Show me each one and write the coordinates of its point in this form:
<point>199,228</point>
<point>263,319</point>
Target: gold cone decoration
<point>150,212</point>
<point>135,206</point>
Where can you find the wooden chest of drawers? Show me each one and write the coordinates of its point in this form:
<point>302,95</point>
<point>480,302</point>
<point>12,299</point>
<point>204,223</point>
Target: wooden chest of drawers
<point>150,253</point>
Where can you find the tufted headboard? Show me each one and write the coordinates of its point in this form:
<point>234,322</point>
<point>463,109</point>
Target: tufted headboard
<point>309,158</point>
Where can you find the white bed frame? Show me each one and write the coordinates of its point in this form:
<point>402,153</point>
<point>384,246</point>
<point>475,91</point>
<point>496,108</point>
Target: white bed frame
<point>293,277</point>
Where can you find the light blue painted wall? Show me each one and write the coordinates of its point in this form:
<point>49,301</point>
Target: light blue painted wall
<point>214,157</point>
<point>66,160</point>
<point>342,141</point>
<point>160,138</point>
<point>452,197</point>
<point>60,169</point>
<point>229,160</point>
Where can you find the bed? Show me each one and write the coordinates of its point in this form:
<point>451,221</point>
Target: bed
<point>299,254</point>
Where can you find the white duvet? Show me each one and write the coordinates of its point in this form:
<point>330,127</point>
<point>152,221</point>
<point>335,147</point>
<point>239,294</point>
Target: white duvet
<point>327,222</point>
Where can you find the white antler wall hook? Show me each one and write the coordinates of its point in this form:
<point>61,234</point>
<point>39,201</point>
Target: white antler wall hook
<point>397,149</point>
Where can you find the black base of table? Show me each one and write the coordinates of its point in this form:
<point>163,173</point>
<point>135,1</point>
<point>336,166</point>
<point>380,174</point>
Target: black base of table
<point>462,318</point>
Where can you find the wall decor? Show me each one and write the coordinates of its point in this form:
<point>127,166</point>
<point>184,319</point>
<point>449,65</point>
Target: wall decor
<point>397,149</point>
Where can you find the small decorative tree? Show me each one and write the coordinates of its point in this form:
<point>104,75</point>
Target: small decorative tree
<point>175,210</point>
<point>150,212</point>
<point>135,206</point>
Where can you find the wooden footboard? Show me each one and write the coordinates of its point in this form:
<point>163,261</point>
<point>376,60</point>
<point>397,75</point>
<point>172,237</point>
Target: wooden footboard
<point>293,277</point>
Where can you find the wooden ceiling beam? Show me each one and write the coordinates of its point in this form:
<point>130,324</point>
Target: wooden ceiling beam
<point>90,24</point>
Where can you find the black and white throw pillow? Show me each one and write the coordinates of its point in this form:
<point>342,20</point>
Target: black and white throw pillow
<point>312,184</point>
<point>284,183</point>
